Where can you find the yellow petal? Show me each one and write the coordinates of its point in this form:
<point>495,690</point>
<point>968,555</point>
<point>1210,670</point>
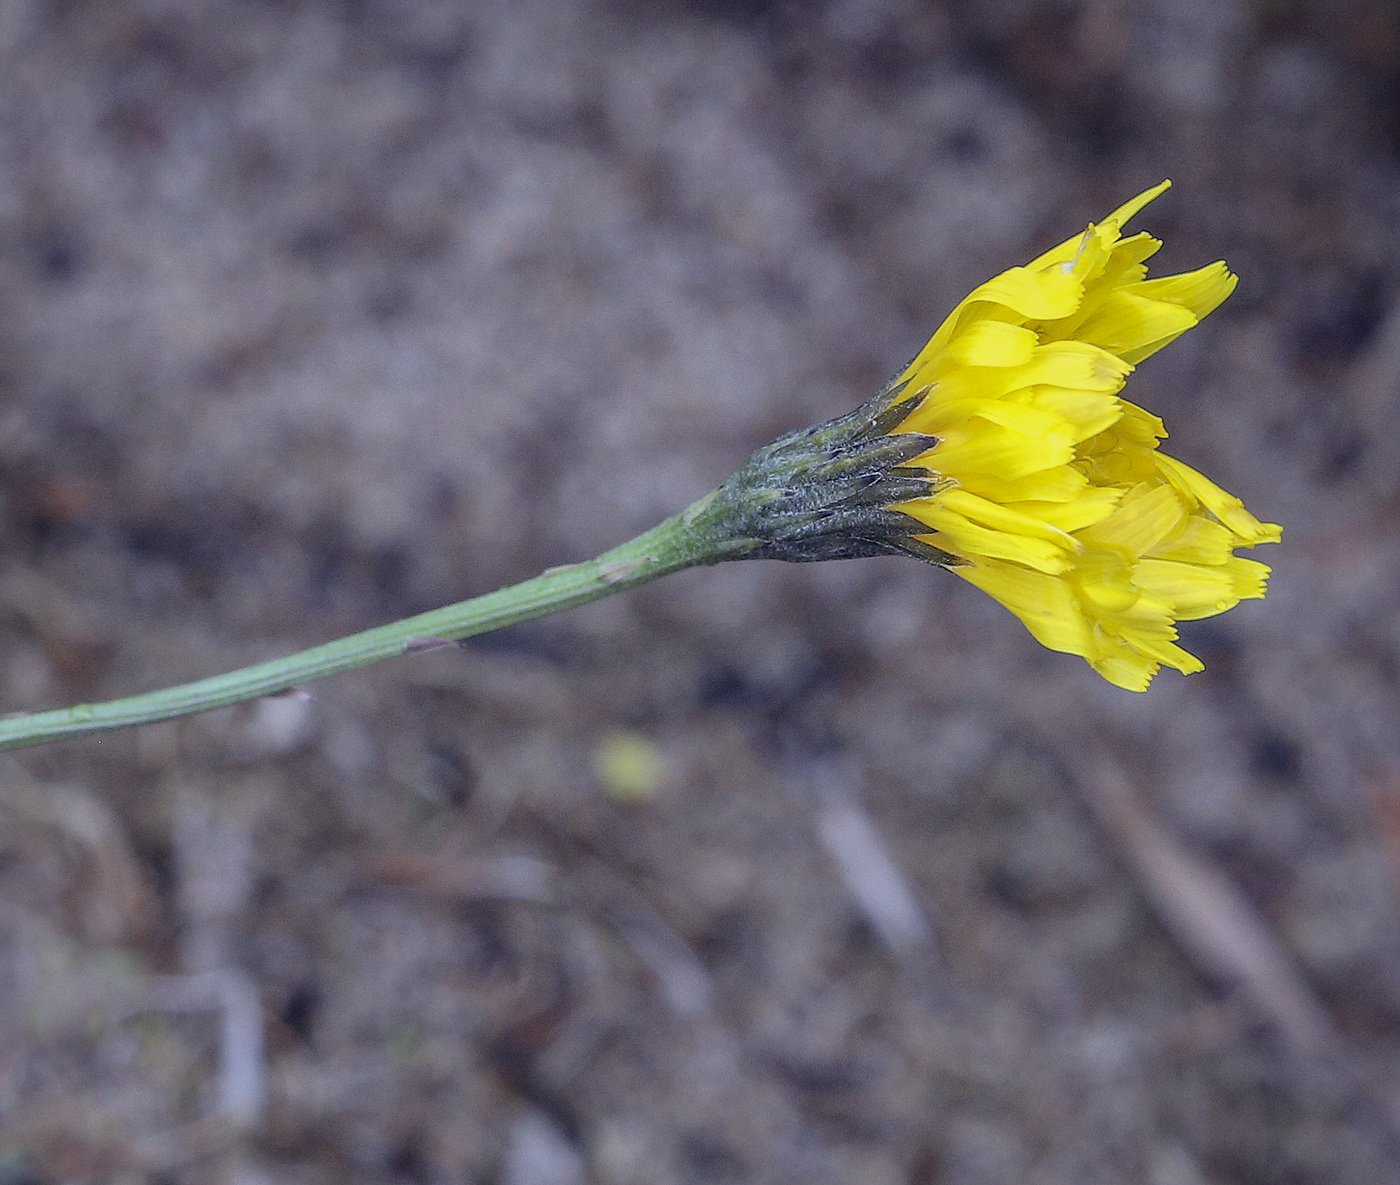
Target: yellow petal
<point>1103,578</point>
<point>1045,604</point>
<point>1127,670</point>
<point>1080,365</point>
<point>1198,540</point>
<point>1133,327</point>
<point>1201,291</point>
<point>1168,653</point>
<point>956,419</point>
<point>1057,484</point>
<point>1133,206</point>
<point>1145,516</point>
<point>1197,591</point>
<point>1193,590</point>
<point>989,448</point>
<point>1133,670</point>
<point>964,537</point>
<point>1226,507</point>
<point>1091,412</point>
<point>1036,295</point>
<point>992,343</point>
<point>1004,518</point>
<point>1092,506</point>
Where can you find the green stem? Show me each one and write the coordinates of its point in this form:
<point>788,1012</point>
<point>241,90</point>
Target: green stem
<point>827,492</point>
<point>680,542</point>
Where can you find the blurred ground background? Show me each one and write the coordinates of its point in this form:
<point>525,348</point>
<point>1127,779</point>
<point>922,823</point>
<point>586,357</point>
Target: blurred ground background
<point>314,314</point>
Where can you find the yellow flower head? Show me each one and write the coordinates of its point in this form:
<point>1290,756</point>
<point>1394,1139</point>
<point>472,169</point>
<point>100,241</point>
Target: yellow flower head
<point>1052,495</point>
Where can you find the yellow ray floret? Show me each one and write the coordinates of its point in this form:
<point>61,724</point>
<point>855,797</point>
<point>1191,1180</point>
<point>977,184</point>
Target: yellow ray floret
<point>1054,497</point>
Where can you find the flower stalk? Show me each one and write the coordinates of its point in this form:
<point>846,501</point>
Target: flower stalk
<point>677,543</point>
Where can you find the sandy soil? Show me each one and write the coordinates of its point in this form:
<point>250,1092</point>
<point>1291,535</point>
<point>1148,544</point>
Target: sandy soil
<point>316,314</point>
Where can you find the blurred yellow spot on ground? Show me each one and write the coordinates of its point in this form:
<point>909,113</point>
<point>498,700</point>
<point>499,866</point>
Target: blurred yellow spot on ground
<point>628,766</point>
